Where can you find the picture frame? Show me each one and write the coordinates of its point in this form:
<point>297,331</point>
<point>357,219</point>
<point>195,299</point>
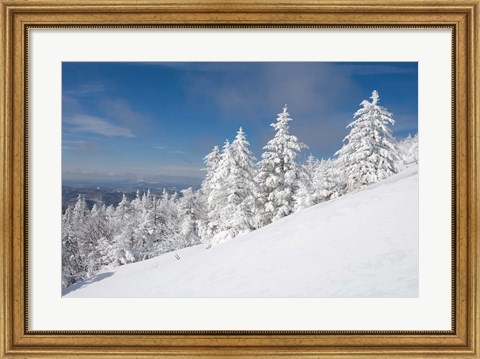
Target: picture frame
<point>20,16</point>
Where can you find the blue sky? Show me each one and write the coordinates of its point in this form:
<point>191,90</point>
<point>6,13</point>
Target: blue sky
<point>156,121</point>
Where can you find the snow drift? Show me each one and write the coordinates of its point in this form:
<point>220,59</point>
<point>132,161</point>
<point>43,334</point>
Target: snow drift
<point>364,244</point>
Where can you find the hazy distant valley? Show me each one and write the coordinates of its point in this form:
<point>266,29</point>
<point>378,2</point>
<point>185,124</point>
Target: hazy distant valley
<point>110,193</point>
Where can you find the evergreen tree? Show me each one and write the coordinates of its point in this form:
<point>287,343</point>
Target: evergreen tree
<point>72,269</point>
<point>279,174</point>
<point>124,218</point>
<point>331,179</point>
<point>240,206</point>
<point>370,153</point>
<point>106,243</point>
<point>97,232</point>
<point>413,150</point>
<point>188,219</point>
<point>306,195</point>
<point>218,197</point>
<point>408,148</point>
<point>122,211</point>
<point>211,163</point>
<point>143,233</point>
<point>243,192</point>
<point>76,246</point>
<point>166,223</point>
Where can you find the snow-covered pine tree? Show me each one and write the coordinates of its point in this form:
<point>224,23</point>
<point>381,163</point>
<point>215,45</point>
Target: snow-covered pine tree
<point>72,267</point>
<point>370,153</point>
<point>413,150</point>
<point>331,179</point>
<point>75,242</point>
<point>188,219</point>
<point>166,222</point>
<point>124,218</point>
<point>218,197</point>
<point>211,163</point>
<point>136,204</point>
<point>241,200</point>
<point>86,241</point>
<point>408,148</point>
<point>106,242</point>
<point>279,174</point>
<point>232,197</point>
<point>155,226</point>
<point>143,233</point>
<point>122,212</point>
<point>98,231</point>
<point>306,195</point>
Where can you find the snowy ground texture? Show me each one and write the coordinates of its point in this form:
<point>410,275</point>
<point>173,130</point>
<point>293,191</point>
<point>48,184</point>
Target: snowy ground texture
<point>364,244</point>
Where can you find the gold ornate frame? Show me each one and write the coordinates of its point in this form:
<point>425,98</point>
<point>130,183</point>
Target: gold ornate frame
<point>16,340</point>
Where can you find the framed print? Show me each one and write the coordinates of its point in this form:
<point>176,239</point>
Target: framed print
<point>239,179</point>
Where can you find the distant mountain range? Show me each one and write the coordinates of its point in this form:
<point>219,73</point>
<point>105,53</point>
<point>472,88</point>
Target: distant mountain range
<point>111,192</point>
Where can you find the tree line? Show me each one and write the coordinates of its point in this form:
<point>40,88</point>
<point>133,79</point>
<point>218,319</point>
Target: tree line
<point>239,194</point>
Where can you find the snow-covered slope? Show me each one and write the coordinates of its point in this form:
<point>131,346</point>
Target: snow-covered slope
<point>364,244</point>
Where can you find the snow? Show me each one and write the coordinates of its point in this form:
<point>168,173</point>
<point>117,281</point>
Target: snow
<point>364,244</point>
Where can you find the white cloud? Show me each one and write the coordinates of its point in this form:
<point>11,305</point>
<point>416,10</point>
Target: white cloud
<point>123,112</point>
<point>73,145</point>
<point>97,125</point>
<point>85,89</point>
<point>162,148</point>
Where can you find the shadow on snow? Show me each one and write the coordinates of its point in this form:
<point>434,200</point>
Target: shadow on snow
<point>95,278</point>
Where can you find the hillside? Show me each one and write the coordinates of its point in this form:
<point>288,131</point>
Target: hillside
<point>364,244</point>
